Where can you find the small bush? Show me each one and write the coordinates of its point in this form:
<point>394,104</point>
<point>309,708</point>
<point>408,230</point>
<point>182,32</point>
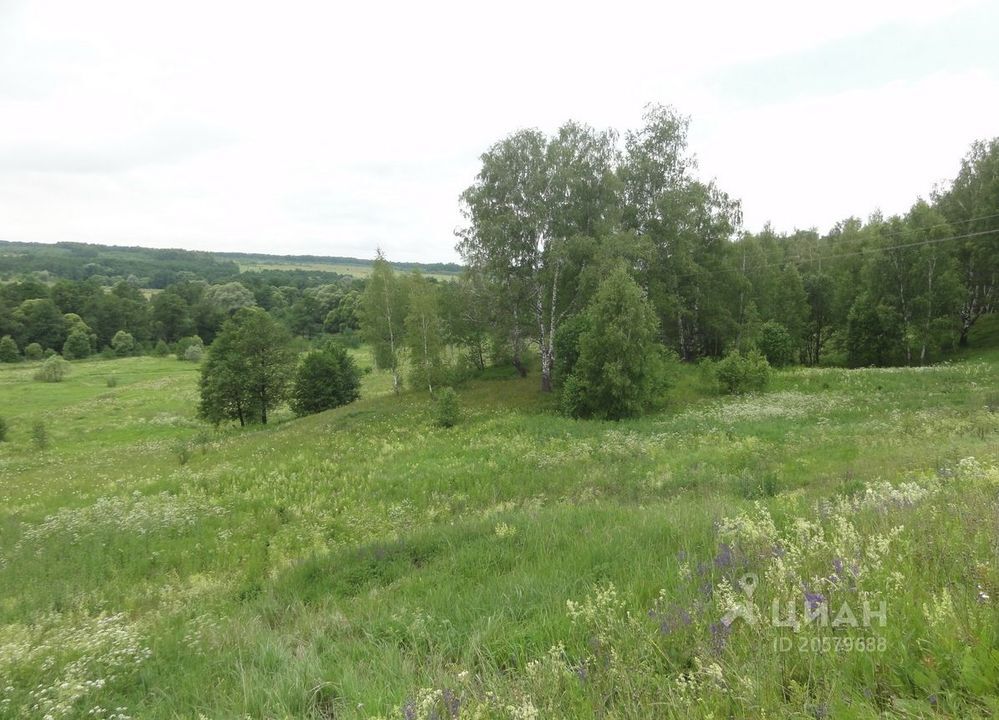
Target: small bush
<point>33,352</point>
<point>194,353</point>
<point>160,349</point>
<point>3,430</point>
<point>77,345</point>
<point>184,343</point>
<point>52,370</point>
<point>447,413</point>
<point>776,344</point>
<point>39,435</point>
<point>111,381</point>
<point>8,350</point>
<point>324,379</point>
<point>738,373</point>
<point>122,343</point>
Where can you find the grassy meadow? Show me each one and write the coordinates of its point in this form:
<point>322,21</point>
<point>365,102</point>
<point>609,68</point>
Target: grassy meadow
<point>365,563</point>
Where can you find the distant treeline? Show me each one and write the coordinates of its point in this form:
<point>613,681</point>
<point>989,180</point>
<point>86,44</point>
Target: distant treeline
<point>159,268</point>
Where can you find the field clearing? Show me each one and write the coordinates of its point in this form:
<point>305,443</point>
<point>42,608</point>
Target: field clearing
<point>364,563</point>
<point>354,270</point>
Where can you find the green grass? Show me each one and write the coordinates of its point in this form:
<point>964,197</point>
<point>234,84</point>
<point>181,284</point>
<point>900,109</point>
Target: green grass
<point>364,562</point>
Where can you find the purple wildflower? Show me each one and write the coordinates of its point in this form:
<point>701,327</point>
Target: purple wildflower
<point>452,702</point>
<point>719,635</point>
<point>814,600</point>
<point>724,557</point>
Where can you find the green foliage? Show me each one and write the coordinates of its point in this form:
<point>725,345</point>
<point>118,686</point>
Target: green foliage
<point>41,322</point>
<point>447,412</point>
<point>776,344</point>
<point>77,346</point>
<point>873,335</point>
<point>424,337</point>
<point>122,343</point>
<point>160,349</point>
<point>194,353</point>
<point>229,297</point>
<point>180,349</point>
<point>4,428</point>
<point>33,352</point>
<point>52,370</point>
<point>247,370</point>
<point>739,373</point>
<point>9,352</point>
<point>567,339</point>
<point>620,370</point>
<point>111,381</point>
<point>325,379</point>
<point>383,312</point>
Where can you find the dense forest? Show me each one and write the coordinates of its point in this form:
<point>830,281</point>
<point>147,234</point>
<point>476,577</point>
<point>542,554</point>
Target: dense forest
<point>550,220</point>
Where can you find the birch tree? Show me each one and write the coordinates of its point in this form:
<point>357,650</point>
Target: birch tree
<point>533,202</point>
<point>424,338</point>
<point>383,307</point>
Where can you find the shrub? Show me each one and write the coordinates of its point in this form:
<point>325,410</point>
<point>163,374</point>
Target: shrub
<point>446,411</point>
<point>740,373</point>
<point>324,379</point>
<point>3,430</point>
<point>111,381</point>
<point>122,343</point>
<point>77,345</point>
<point>194,353</point>
<point>776,344</point>
<point>184,343</point>
<point>9,352</point>
<point>52,370</point>
<point>160,349</point>
<point>39,435</point>
<point>33,352</point>
<point>874,334</point>
<point>620,370</point>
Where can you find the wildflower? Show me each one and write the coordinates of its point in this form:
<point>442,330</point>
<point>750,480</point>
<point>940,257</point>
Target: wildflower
<point>719,635</point>
<point>814,600</point>
<point>724,557</point>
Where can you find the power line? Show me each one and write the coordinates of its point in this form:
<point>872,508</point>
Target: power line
<point>800,261</point>
<point>902,246</point>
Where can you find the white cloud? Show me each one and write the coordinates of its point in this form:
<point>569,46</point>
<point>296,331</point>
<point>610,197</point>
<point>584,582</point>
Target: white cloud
<point>331,128</point>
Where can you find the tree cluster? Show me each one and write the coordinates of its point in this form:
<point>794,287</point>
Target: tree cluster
<point>549,215</point>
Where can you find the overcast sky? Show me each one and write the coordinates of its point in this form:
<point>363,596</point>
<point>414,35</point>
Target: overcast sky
<point>332,128</point>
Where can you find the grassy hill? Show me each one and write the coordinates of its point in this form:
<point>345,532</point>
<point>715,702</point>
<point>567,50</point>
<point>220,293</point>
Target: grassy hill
<point>364,563</point>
